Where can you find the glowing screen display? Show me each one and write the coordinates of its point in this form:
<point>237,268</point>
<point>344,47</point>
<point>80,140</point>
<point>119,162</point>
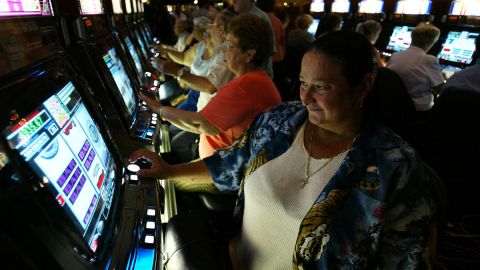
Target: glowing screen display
<point>121,78</point>
<point>134,6</point>
<point>135,56</point>
<point>128,6</point>
<point>465,8</point>
<point>91,7</point>
<point>62,144</point>
<point>317,6</point>
<point>25,8</point>
<point>400,39</point>
<point>117,7</point>
<point>413,7</point>
<point>370,6</point>
<point>341,6</point>
<point>459,47</point>
<point>312,29</point>
<point>141,42</point>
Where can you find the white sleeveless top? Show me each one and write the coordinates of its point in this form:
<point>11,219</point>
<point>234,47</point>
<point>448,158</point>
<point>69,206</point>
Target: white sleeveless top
<point>275,206</point>
<point>200,67</point>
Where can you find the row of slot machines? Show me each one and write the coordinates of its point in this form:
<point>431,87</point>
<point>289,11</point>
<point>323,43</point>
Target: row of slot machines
<point>70,76</point>
<point>459,25</point>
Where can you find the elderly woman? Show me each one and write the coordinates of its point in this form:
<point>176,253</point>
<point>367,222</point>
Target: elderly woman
<point>371,30</point>
<point>223,119</point>
<point>321,184</point>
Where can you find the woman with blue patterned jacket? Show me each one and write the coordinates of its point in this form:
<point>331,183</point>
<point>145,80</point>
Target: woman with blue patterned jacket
<point>321,185</point>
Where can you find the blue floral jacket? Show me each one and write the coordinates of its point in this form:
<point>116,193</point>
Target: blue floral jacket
<point>376,211</point>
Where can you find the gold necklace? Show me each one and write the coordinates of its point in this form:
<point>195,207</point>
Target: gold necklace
<point>307,167</point>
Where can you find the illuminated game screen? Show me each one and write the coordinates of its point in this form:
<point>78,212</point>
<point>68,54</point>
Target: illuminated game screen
<point>146,33</point>
<point>117,6</point>
<point>341,6</point>
<point>91,7</point>
<point>317,6</point>
<point>413,7</point>
<point>128,6</point>
<point>370,6</point>
<point>459,47</point>
<point>400,39</point>
<point>62,144</point>
<point>141,42</point>
<point>134,4</point>
<point>121,78</point>
<point>135,56</point>
<point>25,8</point>
<point>465,8</point>
<point>312,29</point>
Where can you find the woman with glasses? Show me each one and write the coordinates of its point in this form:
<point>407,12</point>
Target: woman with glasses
<point>248,45</point>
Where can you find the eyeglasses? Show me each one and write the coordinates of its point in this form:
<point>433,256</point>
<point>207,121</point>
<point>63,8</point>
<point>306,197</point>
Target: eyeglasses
<point>212,25</point>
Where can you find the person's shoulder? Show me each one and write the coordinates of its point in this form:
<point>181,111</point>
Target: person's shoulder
<point>281,114</point>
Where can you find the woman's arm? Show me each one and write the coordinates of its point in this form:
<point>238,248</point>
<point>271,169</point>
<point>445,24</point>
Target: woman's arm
<point>185,120</point>
<point>196,172</point>
<point>202,84</point>
<point>183,58</point>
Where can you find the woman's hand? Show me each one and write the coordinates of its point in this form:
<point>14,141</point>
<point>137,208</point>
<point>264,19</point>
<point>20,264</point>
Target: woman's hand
<point>158,64</point>
<point>152,104</point>
<point>159,168</point>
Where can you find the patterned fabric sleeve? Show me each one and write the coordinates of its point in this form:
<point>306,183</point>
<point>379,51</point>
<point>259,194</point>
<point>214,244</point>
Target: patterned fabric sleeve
<point>408,219</point>
<point>227,166</point>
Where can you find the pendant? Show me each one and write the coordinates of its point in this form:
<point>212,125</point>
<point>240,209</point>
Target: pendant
<point>304,182</point>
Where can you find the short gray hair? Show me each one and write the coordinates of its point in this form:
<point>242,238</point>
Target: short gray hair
<point>202,22</point>
<point>425,35</point>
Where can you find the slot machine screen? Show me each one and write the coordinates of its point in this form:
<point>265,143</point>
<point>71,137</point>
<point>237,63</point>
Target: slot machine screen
<point>317,6</point>
<point>91,7</point>
<point>341,6</point>
<point>117,6</point>
<point>134,5</point>
<point>413,7</point>
<point>465,8</point>
<point>25,8</point>
<point>119,74</point>
<point>459,47</point>
<point>312,29</point>
<point>141,42</point>
<point>128,6</point>
<point>370,6</point>
<point>146,33</point>
<point>62,144</point>
<point>400,39</point>
<point>135,56</point>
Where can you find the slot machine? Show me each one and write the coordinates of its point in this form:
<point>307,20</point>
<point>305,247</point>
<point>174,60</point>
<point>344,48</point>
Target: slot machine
<point>67,200</point>
<point>104,63</point>
<point>457,51</point>
<point>317,10</point>
<point>143,73</point>
<point>370,10</point>
<point>71,202</point>
<point>342,9</point>
<point>461,28</point>
<point>407,14</point>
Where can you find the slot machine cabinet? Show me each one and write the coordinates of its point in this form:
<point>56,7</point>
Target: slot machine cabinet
<point>73,203</point>
<point>115,87</point>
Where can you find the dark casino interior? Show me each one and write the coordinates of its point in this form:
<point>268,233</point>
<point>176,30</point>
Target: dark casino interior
<point>71,198</point>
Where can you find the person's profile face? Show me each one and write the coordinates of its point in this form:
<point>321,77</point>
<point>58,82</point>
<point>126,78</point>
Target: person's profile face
<point>234,55</point>
<point>325,92</point>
